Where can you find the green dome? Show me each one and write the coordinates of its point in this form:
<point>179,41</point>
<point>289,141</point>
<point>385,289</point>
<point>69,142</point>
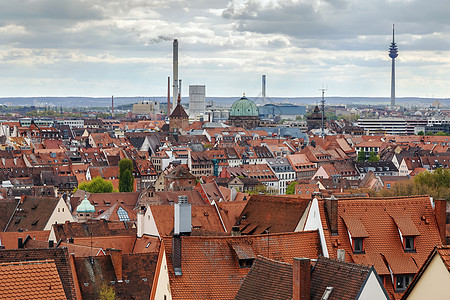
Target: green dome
<point>85,206</point>
<point>244,108</point>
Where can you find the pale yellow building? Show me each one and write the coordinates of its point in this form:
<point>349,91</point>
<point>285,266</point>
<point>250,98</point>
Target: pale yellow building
<point>433,279</point>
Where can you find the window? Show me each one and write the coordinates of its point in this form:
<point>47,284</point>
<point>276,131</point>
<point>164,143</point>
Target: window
<point>409,243</point>
<point>402,282</point>
<point>388,185</point>
<point>358,246</point>
<point>122,214</point>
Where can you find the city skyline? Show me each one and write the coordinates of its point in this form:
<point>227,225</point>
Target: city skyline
<point>124,48</point>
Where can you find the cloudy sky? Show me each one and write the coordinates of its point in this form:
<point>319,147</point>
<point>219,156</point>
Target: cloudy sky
<point>124,48</point>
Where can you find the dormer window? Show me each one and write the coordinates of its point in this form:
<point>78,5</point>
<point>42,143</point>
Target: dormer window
<point>407,232</point>
<point>356,233</point>
<point>402,282</point>
<point>408,243</point>
<point>358,245</point>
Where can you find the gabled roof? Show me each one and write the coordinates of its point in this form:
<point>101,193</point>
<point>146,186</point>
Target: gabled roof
<point>383,245</point>
<point>59,255</point>
<point>444,252</point>
<point>205,220</point>
<point>210,267</point>
<point>32,213</point>
<point>347,279</point>
<point>93,228</point>
<point>271,279</point>
<point>273,213</point>
<point>37,280</point>
<point>267,279</point>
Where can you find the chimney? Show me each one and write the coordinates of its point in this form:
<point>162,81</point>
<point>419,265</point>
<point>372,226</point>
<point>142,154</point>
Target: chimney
<point>440,207</point>
<point>176,254</point>
<point>301,278</point>
<point>20,243</point>
<point>116,258</point>
<point>182,217</point>
<point>341,255</point>
<point>175,71</point>
<point>168,97</point>
<point>140,221</point>
<point>235,231</point>
<point>331,206</point>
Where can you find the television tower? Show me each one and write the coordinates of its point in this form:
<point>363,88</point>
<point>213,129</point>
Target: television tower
<point>393,53</point>
<point>323,110</point>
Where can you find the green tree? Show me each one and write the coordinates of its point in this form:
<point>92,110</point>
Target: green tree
<point>421,133</point>
<point>373,157</point>
<point>126,179</point>
<point>290,190</point>
<point>440,133</point>
<point>96,185</point>
<point>428,133</point>
<point>435,184</point>
<point>361,156</point>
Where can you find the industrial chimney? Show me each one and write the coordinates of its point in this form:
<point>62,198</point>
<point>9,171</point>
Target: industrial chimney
<point>175,71</point>
<point>264,89</point>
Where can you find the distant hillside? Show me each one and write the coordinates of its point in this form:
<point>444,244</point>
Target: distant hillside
<point>219,101</point>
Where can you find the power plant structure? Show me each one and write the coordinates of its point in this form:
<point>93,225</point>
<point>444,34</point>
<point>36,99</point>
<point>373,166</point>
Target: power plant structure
<point>393,53</point>
<point>264,89</point>
<point>175,73</point>
<point>197,100</point>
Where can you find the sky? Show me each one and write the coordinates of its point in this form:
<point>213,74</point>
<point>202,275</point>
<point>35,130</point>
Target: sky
<point>101,48</point>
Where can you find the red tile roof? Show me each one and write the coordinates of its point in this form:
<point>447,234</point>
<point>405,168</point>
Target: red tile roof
<point>383,246</point>
<point>210,268</point>
<point>60,257</point>
<point>273,213</point>
<point>32,280</point>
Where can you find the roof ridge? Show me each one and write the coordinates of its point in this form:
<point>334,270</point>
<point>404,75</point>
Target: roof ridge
<point>345,263</point>
<point>253,236</point>
<point>27,262</point>
<point>263,258</point>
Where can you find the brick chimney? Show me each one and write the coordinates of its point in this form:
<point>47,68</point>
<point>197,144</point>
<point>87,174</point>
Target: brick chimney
<point>116,258</point>
<point>440,211</point>
<point>331,206</point>
<point>176,254</point>
<point>301,277</point>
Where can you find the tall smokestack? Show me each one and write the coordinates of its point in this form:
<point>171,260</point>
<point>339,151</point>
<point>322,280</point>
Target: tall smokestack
<point>175,71</point>
<point>168,96</point>
<point>112,106</point>
<point>264,89</point>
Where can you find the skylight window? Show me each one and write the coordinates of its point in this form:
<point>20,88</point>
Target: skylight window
<point>122,214</point>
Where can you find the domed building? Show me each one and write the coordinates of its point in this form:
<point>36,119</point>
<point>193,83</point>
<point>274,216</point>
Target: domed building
<point>85,210</point>
<point>244,113</point>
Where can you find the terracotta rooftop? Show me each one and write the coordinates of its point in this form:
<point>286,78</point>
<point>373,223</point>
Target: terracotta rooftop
<point>33,280</point>
<point>96,228</point>
<point>345,278</point>
<point>210,266</point>
<point>267,279</point>
<point>61,259</point>
<point>273,213</point>
<point>383,246</point>
<point>32,213</point>
<point>205,220</point>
